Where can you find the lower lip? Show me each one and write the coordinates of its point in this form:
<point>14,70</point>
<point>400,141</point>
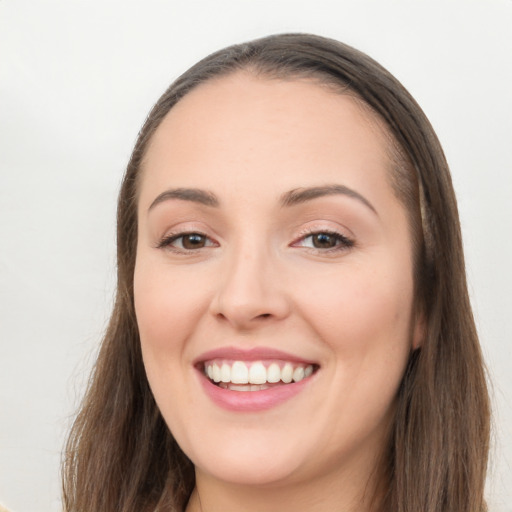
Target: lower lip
<point>251,401</point>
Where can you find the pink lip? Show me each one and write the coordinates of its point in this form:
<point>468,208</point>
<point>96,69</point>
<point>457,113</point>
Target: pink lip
<point>250,401</point>
<point>253,354</point>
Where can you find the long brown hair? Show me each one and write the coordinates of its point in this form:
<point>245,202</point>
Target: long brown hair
<point>120,455</point>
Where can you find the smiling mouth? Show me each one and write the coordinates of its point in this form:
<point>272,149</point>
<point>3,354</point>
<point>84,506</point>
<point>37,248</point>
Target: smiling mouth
<point>255,375</point>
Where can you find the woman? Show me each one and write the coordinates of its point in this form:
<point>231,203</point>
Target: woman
<point>292,326</point>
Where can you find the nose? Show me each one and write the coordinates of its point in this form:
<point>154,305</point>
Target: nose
<point>251,291</point>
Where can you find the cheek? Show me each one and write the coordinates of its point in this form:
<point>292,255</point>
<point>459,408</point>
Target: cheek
<point>364,317</point>
<point>167,306</point>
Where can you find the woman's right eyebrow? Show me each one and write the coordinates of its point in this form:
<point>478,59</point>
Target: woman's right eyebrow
<point>195,195</point>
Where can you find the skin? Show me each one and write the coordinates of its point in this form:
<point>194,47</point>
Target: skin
<point>259,281</point>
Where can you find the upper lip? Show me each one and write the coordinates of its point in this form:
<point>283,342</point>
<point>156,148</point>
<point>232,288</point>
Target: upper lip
<point>251,354</point>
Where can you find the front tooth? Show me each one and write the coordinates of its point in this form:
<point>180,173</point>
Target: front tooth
<point>239,373</point>
<point>257,374</point>
<point>287,373</point>
<point>216,372</point>
<point>298,374</point>
<point>274,373</point>
<point>225,373</point>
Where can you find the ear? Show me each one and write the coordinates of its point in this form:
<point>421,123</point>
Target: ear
<point>419,329</point>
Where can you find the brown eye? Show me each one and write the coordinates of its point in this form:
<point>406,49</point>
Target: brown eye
<point>192,241</point>
<point>184,242</point>
<point>324,241</point>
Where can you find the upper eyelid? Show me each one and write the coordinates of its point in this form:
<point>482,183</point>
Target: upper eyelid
<point>315,227</point>
<point>186,227</point>
<point>305,233</point>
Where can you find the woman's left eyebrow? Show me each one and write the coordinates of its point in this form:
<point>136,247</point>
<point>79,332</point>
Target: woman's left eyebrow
<point>301,195</point>
<point>196,195</point>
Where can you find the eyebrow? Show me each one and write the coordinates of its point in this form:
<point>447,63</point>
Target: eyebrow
<point>291,198</point>
<point>195,195</point>
<point>301,195</point>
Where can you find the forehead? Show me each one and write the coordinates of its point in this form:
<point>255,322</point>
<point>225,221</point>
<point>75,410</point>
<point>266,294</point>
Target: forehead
<point>284,129</point>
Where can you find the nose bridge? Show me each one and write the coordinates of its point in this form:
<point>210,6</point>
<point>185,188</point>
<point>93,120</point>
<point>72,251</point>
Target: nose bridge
<point>249,288</point>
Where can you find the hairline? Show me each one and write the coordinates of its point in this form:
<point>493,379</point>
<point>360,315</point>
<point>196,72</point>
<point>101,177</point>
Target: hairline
<point>397,159</point>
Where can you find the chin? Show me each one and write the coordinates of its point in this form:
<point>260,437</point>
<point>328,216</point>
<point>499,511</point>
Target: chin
<point>268,472</point>
<point>249,460</point>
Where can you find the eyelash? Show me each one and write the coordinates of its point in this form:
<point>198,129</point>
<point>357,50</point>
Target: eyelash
<point>167,241</point>
<point>342,243</point>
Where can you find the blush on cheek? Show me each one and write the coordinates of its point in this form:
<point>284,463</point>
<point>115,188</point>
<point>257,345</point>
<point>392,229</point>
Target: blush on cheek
<point>153,306</point>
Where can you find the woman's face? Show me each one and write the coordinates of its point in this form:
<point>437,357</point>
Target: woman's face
<point>272,248</point>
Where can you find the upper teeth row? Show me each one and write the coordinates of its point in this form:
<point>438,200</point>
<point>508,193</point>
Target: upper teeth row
<point>238,372</point>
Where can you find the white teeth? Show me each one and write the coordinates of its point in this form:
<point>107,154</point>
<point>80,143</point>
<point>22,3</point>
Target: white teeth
<point>241,376</point>
<point>216,373</point>
<point>274,373</point>
<point>239,373</point>
<point>225,373</point>
<point>298,374</point>
<point>287,373</point>
<point>257,374</point>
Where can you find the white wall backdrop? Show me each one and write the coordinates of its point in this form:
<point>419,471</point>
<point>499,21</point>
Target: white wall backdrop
<point>76,81</point>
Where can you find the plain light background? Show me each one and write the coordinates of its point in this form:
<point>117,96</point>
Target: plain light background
<point>77,79</point>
